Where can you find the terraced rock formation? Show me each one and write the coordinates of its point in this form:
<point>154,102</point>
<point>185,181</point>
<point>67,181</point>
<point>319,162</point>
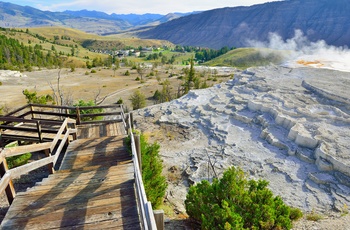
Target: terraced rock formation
<point>290,126</point>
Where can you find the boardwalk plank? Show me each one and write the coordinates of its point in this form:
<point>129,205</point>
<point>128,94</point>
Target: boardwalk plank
<point>94,188</point>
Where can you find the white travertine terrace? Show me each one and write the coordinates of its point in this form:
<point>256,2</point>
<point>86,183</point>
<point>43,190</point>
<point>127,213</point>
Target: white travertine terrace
<point>290,126</point>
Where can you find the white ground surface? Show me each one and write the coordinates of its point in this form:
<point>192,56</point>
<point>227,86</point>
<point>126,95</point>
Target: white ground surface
<point>290,126</point>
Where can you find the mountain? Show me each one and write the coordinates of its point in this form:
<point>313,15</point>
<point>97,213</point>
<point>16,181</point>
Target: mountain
<point>317,19</point>
<point>132,19</point>
<point>12,15</point>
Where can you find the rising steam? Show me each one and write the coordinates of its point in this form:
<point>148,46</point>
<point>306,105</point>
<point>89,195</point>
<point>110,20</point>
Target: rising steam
<point>302,52</point>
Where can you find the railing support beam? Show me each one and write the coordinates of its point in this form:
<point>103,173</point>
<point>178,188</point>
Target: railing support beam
<point>138,151</point>
<point>78,116</point>
<point>159,218</point>
<point>10,189</point>
<point>50,166</point>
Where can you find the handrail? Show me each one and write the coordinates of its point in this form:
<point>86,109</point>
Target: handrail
<point>145,207</point>
<point>52,115</point>
<point>19,109</point>
<point>8,174</point>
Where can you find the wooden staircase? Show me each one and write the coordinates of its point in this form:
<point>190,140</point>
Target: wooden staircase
<point>94,189</point>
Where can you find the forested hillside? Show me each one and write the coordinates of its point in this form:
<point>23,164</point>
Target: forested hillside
<point>14,55</point>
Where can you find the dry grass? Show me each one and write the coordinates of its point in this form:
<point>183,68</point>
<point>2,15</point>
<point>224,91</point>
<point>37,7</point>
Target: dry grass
<point>174,175</point>
<point>313,216</point>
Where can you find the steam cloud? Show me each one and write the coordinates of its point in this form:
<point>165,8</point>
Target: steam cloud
<point>302,52</point>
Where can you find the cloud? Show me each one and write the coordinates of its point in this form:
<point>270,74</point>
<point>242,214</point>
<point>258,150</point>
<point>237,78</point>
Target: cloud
<point>300,51</point>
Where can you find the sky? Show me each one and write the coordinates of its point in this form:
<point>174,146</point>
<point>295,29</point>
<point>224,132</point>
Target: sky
<point>134,6</point>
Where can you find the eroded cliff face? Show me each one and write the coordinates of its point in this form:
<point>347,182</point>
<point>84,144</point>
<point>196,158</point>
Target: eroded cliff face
<point>319,20</point>
<point>288,126</point>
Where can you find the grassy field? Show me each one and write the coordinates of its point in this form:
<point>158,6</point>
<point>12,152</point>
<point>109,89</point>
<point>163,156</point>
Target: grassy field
<point>243,58</point>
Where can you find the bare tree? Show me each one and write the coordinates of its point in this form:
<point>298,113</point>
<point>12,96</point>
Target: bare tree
<point>57,93</point>
<point>141,70</point>
<point>97,100</point>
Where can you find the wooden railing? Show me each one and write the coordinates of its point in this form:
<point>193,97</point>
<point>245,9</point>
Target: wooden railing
<point>80,114</point>
<point>31,122</point>
<point>52,150</point>
<point>144,206</point>
<point>51,115</point>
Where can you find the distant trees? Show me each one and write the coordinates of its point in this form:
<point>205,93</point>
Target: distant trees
<point>203,54</point>
<point>153,56</point>
<point>190,78</point>
<point>208,54</point>
<point>165,94</point>
<point>141,70</point>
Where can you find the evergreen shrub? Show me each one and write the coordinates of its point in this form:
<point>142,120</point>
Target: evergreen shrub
<point>154,182</point>
<point>234,202</point>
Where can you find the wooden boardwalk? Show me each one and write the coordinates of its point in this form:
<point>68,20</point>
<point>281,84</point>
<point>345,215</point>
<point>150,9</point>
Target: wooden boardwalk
<point>94,188</point>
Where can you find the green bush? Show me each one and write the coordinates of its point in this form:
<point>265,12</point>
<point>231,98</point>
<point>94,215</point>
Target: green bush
<point>313,216</point>
<point>295,214</point>
<point>93,71</point>
<point>154,182</point>
<point>82,103</point>
<point>138,100</point>
<point>234,202</point>
<point>120,101</point>
<point>16,161</point>
<point>152,167</point>
<point>32,97</point>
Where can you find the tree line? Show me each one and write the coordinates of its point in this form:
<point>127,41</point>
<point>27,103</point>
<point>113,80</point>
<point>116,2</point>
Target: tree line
<point>203,54</point>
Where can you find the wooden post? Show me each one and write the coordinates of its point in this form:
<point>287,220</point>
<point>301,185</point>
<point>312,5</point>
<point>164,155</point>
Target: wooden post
<point>10,189</point>
<point>75,134</point>
<point>78,115</point>
<point>31,111</point>
<point>159,218</point>
<point>132,120</point>
<point>40,135</point>
<point>50,166</point>
<point>138,151</point>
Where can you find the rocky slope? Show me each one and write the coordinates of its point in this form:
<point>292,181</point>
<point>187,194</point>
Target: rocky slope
<point>288,126</point>
<point>318,19</point>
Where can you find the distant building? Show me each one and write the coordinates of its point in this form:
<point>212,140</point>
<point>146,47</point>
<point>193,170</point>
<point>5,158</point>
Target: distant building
<point>136,54</point>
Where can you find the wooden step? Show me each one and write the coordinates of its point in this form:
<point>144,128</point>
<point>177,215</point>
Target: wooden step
<point>83,173</point>
<point>95,189</point>
<point>62,186</point>
<point>70,204</point>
